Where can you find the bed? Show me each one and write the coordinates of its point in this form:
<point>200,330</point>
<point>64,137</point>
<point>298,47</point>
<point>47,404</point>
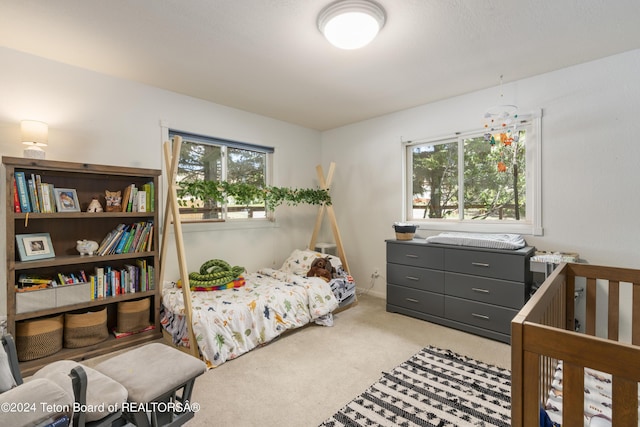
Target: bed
<point>578,378</point>
<point>230,322</point>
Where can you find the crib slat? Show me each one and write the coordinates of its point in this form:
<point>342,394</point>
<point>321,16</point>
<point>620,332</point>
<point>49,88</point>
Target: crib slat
<point>590,327</point>
<point>572,394</point>
<point>570,314</point>
<point>613,310</point>
<point>531,398</point>
<point>625,402</point>
<point>635,321</point>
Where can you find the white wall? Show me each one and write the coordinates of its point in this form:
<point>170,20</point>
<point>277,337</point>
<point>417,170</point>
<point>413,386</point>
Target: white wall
<point>98,119</point>
<point>590,157</point>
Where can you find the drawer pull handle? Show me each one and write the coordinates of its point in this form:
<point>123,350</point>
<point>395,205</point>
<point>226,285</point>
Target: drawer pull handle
<point>412,300</point>
<point>413,278</point>
<point>412,256</point>
<point>480,264</point>
<point>480,316</point>
<point>484,291</point>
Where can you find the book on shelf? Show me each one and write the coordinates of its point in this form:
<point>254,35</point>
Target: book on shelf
<point>142,201</point>
<point>28,283</point>
<point>136,238</point>
<point>126,198</point>
<point>23,191</point>
<point>109,243</point>
<point>28,278</point>
<point>33,193</point>
<point>134,199</point>
<point>48,201</point>
<point>123,240</point>
<point>16,197</point>
<point>72,278</point>
<point>99,283</point>
<point>126,334</point>
<point>109,281</point>
<point>150,192</point>
<point>144,274</point>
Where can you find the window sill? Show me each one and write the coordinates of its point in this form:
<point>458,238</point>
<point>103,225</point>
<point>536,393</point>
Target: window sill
<point>236,224</point>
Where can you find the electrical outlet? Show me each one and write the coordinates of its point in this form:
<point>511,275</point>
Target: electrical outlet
<point>375,274</point>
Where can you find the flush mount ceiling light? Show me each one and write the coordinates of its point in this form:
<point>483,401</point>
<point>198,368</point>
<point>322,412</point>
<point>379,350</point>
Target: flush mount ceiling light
<point>351,24</point>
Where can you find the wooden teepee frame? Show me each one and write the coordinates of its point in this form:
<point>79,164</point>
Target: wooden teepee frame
<point>172,211</point>
<point>325,184</point>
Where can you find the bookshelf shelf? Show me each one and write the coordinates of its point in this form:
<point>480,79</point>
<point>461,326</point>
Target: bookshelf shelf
<point>65,229</point>
<point>84,305</point>
<point>64,260</point>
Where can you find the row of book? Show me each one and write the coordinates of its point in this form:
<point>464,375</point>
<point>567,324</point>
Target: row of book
<point>30,194</point>
<point>27,282</point>
<point>110,281</point>
<point>124,239</point>
<point>136,199</point>
<point>105,282</point>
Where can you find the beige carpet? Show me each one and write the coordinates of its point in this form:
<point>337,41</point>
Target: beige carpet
<point>307,375</point>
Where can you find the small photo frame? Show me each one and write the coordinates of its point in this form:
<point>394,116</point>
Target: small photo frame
<point>66,200</point>
<point>34,246</point>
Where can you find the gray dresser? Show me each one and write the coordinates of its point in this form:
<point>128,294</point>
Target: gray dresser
<point>473,289</point>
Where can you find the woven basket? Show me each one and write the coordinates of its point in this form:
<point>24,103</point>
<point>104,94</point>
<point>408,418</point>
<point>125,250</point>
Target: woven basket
<point>83,329</point>
<point>38,338</point>
<point>133,315</point>
<point>405,236</point>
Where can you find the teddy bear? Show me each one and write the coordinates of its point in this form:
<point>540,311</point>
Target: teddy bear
<point>321,267</point>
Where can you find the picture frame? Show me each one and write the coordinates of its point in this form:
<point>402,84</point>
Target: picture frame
<point>66,200</point>
<point>34,246</point>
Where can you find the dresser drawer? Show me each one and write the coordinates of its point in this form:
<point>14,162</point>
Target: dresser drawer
<point>417,300</point>
<point>488,264</point>
<point>479,314</point>
<point>415,277</point>
<point>416,254</point>
<point>485,289</point>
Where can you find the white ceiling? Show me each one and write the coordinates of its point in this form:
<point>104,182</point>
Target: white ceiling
<point>267,56</point>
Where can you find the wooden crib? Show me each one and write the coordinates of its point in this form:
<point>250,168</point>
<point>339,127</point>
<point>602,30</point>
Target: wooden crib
<point>543,333</point>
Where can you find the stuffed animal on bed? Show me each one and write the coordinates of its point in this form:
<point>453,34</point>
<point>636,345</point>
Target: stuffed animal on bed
<point>321,267</point>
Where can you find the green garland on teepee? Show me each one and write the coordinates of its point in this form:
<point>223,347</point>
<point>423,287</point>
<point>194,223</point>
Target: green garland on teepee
<point>246,194</point>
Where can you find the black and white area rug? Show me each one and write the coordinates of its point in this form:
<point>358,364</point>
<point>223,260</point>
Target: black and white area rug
<point>435,388</point>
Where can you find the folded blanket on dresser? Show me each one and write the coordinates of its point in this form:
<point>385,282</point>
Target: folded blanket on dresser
<point>480,240</point>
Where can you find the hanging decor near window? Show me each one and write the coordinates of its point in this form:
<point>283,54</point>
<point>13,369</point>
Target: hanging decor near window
<point>500,122</point>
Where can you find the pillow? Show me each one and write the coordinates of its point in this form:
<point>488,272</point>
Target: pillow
<point>7,381</point>
<point>299,262</point>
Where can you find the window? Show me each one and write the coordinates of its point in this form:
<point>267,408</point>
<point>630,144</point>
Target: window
<point>478,181</point>
<point>214,159</point>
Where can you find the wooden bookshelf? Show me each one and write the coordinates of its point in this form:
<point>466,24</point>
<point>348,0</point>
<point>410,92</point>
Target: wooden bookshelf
<point>65,229</point>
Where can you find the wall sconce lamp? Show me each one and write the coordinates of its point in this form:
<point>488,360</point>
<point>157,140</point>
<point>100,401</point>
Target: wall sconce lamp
<point>35,135</point>
<point>351,24</point>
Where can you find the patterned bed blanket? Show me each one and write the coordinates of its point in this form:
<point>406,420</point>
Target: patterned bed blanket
<point>228,323</point>
<point>597,398</point>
